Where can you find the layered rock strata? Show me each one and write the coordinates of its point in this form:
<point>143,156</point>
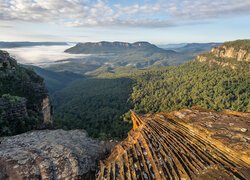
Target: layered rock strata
<point>167,146</point>
<point>230,54</point>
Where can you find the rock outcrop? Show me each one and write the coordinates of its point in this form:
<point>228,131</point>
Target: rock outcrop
<point>46,111</point>
<point>231,52</point>
<point>228,54</point>
<point>6,61</point>
<point>17,81</point>
<point>48,154</point>
<point>239,50</point>
<point>181,145</point>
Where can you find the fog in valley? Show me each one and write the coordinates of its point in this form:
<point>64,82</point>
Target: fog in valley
<point>42,56</point>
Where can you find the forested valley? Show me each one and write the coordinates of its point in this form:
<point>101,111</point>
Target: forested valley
<point>101,105</point>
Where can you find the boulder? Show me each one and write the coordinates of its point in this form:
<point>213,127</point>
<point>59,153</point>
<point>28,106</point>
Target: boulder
<point>49,154</point>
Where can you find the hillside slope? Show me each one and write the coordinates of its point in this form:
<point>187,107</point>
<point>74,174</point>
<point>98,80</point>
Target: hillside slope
<point>55,81</point>
<point>219,79</point>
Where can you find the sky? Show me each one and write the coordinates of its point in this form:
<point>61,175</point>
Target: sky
<point>156,21</point>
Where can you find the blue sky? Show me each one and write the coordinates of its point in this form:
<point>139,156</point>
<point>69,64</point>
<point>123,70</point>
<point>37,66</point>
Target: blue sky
<point>156,21</point>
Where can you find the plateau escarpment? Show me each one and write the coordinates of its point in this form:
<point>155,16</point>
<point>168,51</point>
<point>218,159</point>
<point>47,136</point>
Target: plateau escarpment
<point>25,95</point>
<point>239,50</point>
<point>138,54</point>
<point>229,54</point>
<point>180,146</point>
<point>110,47</point>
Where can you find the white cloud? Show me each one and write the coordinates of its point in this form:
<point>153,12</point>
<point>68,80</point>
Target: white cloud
<point>162,13</point>
<point>206,9</point>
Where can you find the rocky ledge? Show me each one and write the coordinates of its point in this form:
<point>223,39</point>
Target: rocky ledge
<point>55,154</point>
<point>186,144</point>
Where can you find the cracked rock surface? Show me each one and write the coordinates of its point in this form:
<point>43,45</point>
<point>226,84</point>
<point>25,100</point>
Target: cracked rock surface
<point>181,145</point>
<point>49,154</point>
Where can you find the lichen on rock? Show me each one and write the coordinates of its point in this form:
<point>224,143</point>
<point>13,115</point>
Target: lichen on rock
<point>49,154</point>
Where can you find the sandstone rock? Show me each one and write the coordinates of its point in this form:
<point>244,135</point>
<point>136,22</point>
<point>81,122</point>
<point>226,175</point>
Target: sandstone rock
<point>176,147</point>
<point>243,130</point>
<point>46,111</point>
<point>48,154</point>
<point>230,54</point>
<point>230,127</point>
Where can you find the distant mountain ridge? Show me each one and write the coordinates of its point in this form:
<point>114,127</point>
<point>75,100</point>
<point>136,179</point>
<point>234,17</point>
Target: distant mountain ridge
<point>27,44</point>
<point>110,47</point>
<point>192,47</point>
<point>139,54</point>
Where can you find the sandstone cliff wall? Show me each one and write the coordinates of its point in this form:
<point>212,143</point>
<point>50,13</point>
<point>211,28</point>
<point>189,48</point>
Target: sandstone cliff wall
<point>231,52</point>
<point>230,55</point>
<point>46,112</point>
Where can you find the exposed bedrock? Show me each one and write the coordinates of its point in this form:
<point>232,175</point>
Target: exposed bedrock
<point>48,154</point>
<point>177,146</point>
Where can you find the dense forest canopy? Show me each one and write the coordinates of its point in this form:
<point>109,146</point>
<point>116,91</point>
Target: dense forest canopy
<point>96,105</point>
<point>238,44</point>
<point>192,84</point>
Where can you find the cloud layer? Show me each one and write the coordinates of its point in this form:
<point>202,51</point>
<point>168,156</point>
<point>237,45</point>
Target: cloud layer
<point>85,13</point>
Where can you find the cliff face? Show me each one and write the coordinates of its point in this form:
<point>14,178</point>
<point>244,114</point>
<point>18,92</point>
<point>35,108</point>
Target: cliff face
<point>16,84</point>
<point>46,111</point>
<point>108,47</point>
<point>186,144</point>
<point>230,54</point>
